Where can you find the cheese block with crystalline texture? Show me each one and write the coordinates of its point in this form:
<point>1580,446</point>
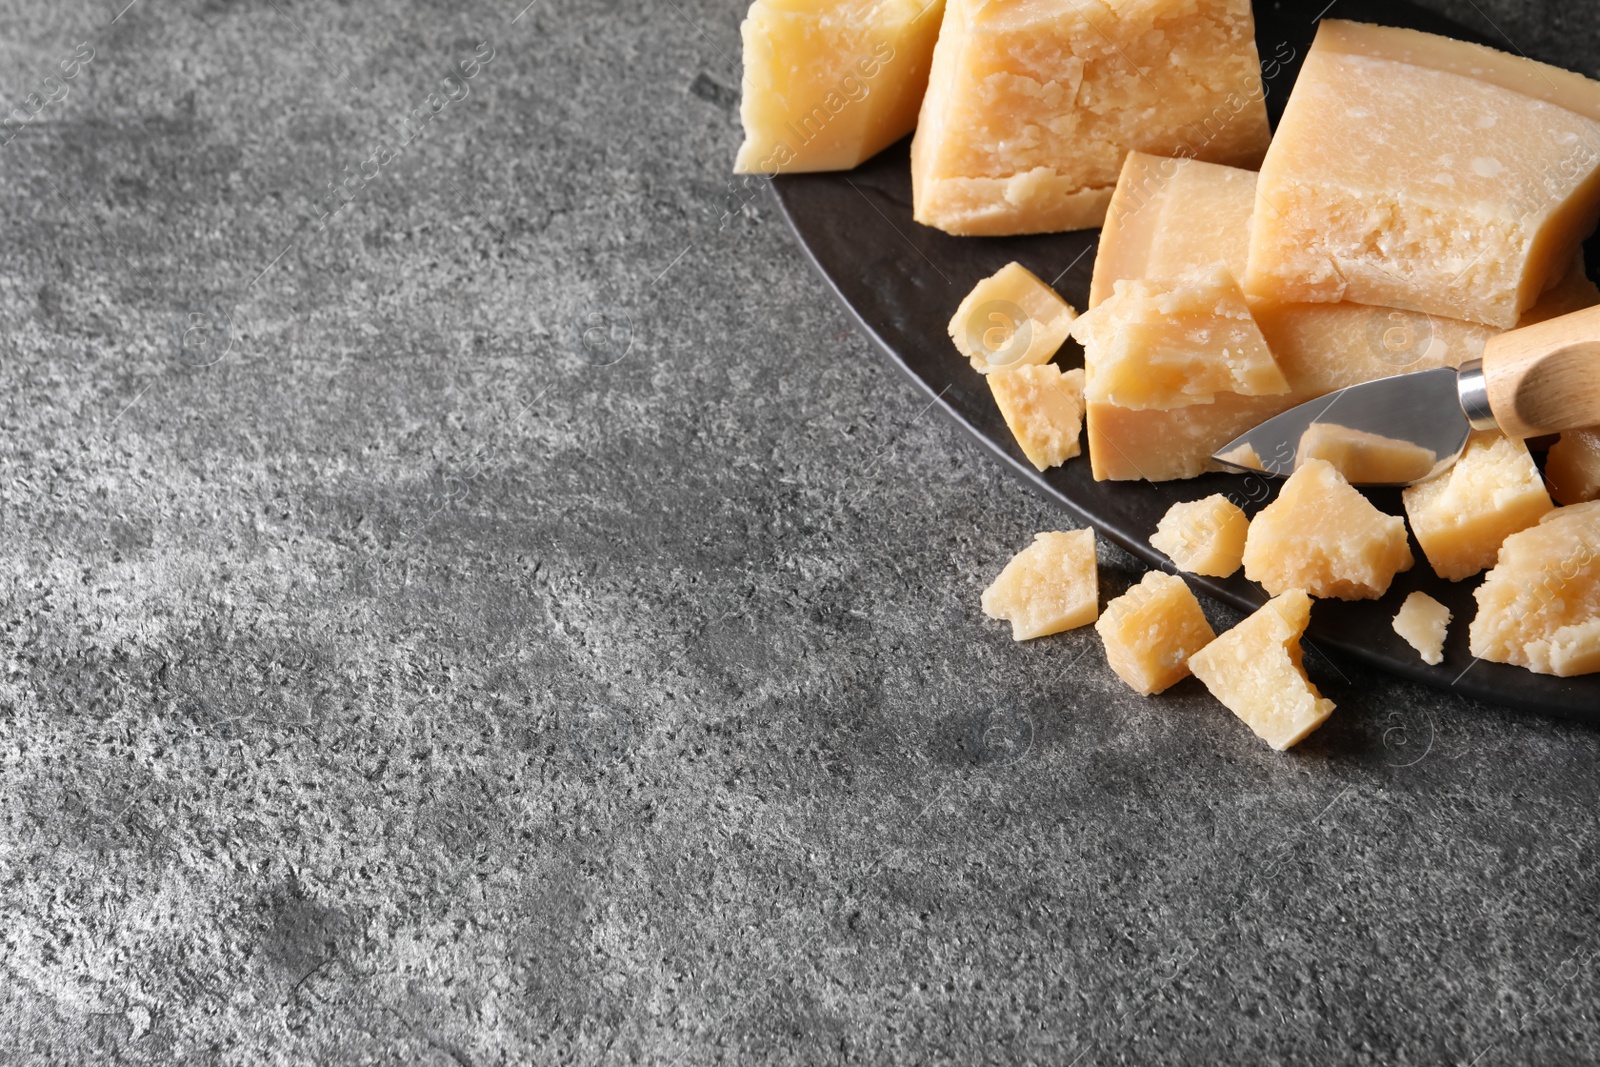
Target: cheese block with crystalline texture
<point>1424,623</point>
<point>1418,172</point>
<point>1539,607</point>
<point>1462,516</point>
<point>1051,586</point>
<point>1011,319</point>
<point>1168,344</point>
<point>1323,536</point>
<point>1033,104</point>
<point>1573,467</point>
<point>1204,536</point>
<point>1043,406</point>
<point>1256,670</point>
<point>830,83</point>
<point>1365,458</point>
<point>1150,632</point>
<point>1180,219</point>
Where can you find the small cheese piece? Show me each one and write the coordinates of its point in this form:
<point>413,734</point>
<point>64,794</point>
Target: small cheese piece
<point>1171,344</point>
<point>1043,406</point>
<point>1255,669</point>
<point>1051,586</point>
<point>1539,607</point>
<point>1462,516</point>
<point>1150,632</point>
<point>1432,182</point>
<point>1424,623</point>
<point>1033,104</point>
<point>1204,536</point>
<point>1573,467</point>
<point>1011,319</point>
<point>1322,536</point>
<point>830,83</point>
<point>1365,458</point>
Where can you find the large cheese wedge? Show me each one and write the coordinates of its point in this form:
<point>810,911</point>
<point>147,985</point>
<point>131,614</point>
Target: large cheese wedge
<point>1423,173</point>
<point>1181,219</point>
<point>1573,467</point>
<point>1323,536</point>
<point>1463,516</point>
<point>830,83</point>
<point>1051,586</point>
<point>1540,606</point>
<point>1256,670</point>
<point>1150,632</point>
<point>1033,104</point>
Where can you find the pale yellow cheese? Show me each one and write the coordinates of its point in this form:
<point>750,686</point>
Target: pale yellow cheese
<point>1426,184</point>
<point>1365,458</point>
<point>1051,586</point>
<point>1150,632</point>
<point>1204,536</point>
<point>1424,623</point>
<point>1043,406</point>
<point>830,83</point>
<point>1539,607</point>
<point>1170,344</point>
<point>1322,536</point>
<point>1033,104</point>
<point>1256,670</point>
<point>1011,319</point>
<point>1573,467</point>
<point>1461,517</point>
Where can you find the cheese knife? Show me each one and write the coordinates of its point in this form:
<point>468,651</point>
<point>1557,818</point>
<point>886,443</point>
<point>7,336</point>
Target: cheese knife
<point>1537,380</point>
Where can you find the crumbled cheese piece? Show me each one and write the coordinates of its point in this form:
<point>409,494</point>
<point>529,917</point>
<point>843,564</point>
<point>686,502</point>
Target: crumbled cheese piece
<point>1540,606</point>
<point>1051,586</point>
<point>1043,406</point>
<point>1150,632</point>
<point>1011,319</point>
<point>1424,623</point>
<point>1462,516</point>
<point>1204,536</point>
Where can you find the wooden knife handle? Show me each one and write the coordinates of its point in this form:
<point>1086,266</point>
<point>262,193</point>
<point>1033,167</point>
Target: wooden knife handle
<point>1545,378</point>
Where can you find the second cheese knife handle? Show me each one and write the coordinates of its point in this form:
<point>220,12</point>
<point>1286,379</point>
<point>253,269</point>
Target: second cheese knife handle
<point>1545,378</point>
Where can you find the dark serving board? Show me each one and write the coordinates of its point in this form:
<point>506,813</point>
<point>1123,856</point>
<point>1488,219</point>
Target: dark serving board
<point>902,281</point>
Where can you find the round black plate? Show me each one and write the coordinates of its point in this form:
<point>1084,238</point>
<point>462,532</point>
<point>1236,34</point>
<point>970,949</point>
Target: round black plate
<point>902,281</point>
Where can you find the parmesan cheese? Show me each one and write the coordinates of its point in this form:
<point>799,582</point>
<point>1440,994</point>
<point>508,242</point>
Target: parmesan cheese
<point>1539,607</point>
<point>1150,632</point>
<point>1051,586</point>
<point>1204,536</point>
<point>1365,458</point>
<point>1462,516</point>
<point>1424,623</point>
<point>1043,406</point>
<point>1573,467</point>
<point>1011,319</point>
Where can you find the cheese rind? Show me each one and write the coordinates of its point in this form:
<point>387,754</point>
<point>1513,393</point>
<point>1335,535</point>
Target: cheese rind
<point>1371,194</point>
<point>1461,517</point>
<point>1011,319</point>
<point>1173,344</point>
<point>830,83</point>
<point>1150,632</point>
<point>1424,623</point>
<point>1043,406</point>
<point>1256,670</point>
<point>1204,536</point>
<point>1032,105</point>
<point>1573,467</point>
<point>1049,587</point>
<point>1539,607</point>
<point>1323,536</point>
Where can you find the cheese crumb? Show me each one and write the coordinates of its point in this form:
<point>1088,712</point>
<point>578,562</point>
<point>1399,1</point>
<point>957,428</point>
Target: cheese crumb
<point>1011,319</point>
<point>1204,536</point>
<point>1051,586</point>
<point>1256,670</point>
<point>1150,632</point>
<point>1539,607</point>
<point>1462,516</point>
<point>1424,622</point>
<point>1043,406</point>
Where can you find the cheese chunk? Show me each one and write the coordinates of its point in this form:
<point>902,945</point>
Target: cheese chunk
<point>1051,586</point>
<point>1431,183</point>
<point>1365,458</point>
<point>1462,516</point>
<point>1573,467</point>
<point>1539,607</point>
<point>1255,669</point>
<point>1322,536</point>
<point>1150,632</point>
<point>1043,406</point>
<point>830,83</point>
<point>1204,536</point>
<point>1011,319</point>
<point>1033,104</point>
<point>1424,623</point>
<point>1171,344</point>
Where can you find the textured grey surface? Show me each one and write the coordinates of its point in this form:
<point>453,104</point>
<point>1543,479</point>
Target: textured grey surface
<point>390,676</point>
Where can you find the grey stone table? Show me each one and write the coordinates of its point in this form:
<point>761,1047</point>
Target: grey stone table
<point>471,597</point>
